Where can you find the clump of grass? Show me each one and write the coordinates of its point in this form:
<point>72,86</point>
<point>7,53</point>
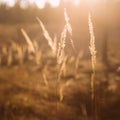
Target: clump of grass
<point>32,48</point>
<point>61,57</point>
<point>59,50</point>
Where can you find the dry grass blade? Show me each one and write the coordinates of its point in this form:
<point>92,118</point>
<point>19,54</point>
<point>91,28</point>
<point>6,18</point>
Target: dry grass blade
<point>46,35</point>
<point>77,62</point>
<point>28,40</point>
<point>35,44</point>
<point>61,47</point>
<point>55,44</point>
<point>62,68</point>
<point>68,27</point>
<point>62,88</point>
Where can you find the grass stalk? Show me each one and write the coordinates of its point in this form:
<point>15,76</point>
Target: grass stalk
<point>51,43</point>
<point>93,62</point>
<point>28,40</point>
<point>68,27</point>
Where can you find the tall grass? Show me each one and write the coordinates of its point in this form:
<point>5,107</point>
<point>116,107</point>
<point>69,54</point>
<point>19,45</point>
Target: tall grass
<point>28,40</point>
<point>62,88</point>
<point>62,68</point>
<point>59,50</point>
<point>92,43</point>
<point>61,56</point>
<point>38,53</point>
<point>68,27</point>
<point>61,46</point>
<point>77,62</point>
<point>51,43</point>
<point>93,62</point>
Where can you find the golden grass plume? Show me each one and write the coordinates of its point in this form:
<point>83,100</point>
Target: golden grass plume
<point>47,36</point>
<point>92,42</point>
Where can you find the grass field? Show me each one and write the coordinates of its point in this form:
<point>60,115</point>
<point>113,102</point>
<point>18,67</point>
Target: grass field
<point>29,89</point>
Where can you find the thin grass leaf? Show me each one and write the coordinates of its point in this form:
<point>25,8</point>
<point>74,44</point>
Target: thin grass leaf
<point>28,40</point>
<point>61,46</point>
<point>68,25</point>
<point>46,34</point>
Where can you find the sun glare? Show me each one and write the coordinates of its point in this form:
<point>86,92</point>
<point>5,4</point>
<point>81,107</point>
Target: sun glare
<point>54,3</point>
<point>9,2</point>
<point>40,3</point>
<point>76,2</point>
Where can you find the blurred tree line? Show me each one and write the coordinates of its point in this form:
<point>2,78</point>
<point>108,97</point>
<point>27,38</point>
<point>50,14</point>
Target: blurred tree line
<point>16,14</point>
